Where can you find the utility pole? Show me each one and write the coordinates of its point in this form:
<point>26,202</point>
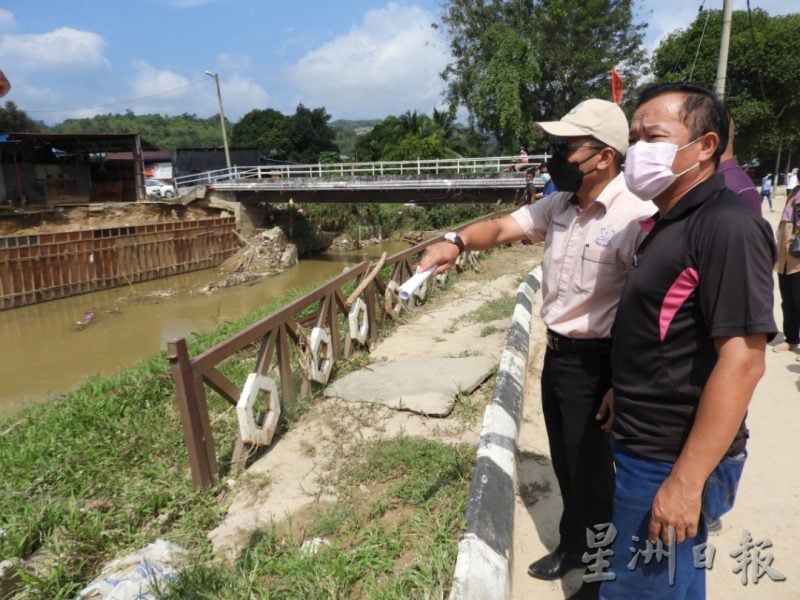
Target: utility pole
<point>724,44</point>
<point>215,76</point>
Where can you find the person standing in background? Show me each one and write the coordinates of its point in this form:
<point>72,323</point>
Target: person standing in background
<point>549,186</point>
<point>788,269</point>
<point>766,190</point>
<point>736,179</point>
<point>791,180</point>
<point>530,188</point>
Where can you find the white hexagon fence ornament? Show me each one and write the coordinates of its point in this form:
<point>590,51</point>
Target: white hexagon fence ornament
<point>250,431</point>
<point>358,321</point>
<point>321,355</point>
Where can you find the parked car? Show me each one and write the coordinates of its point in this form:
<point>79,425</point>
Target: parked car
<point>158,189</point>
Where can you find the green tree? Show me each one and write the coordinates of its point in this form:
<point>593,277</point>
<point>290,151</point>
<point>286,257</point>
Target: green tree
<point>413,136</point>
<point>166,132</point>
<point>302,137</point>
<point>519,61</point>
<point>494,68</point>
<point>15,120</point>
<point>265,129</point>
<point>376,144</point>
<point>580,42</point>
<point>763,76</point>
<point>309,134</point>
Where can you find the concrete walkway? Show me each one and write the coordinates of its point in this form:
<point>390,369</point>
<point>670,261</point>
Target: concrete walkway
<point>767,505</point>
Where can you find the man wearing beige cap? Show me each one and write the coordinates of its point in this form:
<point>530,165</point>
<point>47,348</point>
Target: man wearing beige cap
<point>591,230</point>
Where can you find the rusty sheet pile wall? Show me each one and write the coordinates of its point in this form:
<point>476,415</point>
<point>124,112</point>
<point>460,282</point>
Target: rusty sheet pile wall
<point>46,266</point>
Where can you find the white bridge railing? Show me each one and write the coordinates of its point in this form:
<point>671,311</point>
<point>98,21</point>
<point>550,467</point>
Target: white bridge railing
<point>440,168</point>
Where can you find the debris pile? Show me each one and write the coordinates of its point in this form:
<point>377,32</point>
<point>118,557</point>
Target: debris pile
<point>266,253</point>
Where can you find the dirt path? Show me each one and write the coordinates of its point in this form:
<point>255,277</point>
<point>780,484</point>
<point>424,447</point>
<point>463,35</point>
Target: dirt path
<point>767,504</point>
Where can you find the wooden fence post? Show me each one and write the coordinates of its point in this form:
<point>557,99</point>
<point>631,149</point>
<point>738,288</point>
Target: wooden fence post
<point>194,415</point>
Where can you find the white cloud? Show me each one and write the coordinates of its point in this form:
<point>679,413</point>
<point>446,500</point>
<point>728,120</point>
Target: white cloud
<point>166,92</point>
<point>149,81</point>
<point>62,49</point>
<point>388,64</point>
<point>7,20</point>
<point>240,95</point>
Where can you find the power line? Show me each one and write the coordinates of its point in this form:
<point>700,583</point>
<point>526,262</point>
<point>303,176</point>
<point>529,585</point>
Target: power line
<point>58,110</point>
<point>683,51</point>
<point>699,43</point>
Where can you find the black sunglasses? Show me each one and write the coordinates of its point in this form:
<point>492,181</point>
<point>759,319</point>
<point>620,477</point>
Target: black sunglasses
<point>562,147</point>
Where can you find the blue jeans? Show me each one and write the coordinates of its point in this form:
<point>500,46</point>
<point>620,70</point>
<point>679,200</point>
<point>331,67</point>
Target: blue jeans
<point>637,482</point>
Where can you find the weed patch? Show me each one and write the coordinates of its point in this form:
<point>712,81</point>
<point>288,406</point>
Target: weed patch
<point>493,310</point>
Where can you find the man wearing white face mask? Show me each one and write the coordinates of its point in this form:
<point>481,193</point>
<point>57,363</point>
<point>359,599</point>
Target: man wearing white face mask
<point>688,344</point>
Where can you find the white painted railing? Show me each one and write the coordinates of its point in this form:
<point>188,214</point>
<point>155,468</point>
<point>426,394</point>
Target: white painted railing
<point>442,167</point>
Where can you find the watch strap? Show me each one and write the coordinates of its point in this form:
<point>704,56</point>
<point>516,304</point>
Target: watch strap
<point>454,238</point>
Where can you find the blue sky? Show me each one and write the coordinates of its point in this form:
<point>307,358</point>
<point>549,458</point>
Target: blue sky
<point>357,58</point>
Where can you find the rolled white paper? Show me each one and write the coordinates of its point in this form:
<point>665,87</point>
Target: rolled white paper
<point>416,280</point>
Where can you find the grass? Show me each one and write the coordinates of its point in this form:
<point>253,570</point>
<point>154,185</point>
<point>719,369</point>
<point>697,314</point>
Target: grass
<point>392,533</point>
<point>489,311</point>
<point>489,330</point>
<point>493,310</point>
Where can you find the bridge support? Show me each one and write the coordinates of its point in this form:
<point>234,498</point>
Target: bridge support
<point>248,216</point>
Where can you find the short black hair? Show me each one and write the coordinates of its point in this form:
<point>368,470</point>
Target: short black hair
<point>702,111</point>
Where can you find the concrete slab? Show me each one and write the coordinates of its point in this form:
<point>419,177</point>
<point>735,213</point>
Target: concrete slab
<point>427,386</point>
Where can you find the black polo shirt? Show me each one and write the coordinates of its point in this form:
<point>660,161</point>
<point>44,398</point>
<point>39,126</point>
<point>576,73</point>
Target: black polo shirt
<point>703,272</point>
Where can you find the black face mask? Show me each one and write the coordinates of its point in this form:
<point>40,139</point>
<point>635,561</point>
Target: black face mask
<point>566,175</point>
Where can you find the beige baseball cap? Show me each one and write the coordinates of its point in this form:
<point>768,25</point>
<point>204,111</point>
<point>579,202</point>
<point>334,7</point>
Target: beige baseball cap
<point>600,119</point>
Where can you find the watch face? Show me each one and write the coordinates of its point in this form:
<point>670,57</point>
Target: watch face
<point>450,236</point>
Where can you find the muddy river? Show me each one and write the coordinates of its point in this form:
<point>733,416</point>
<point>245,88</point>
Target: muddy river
<point>44,353</point>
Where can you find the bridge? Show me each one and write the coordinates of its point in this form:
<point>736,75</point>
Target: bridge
<point>421,181</point>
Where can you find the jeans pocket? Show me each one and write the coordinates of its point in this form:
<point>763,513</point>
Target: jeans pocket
<point>719,492</point>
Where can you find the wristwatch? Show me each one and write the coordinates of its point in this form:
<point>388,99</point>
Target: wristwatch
<point>454,238</point>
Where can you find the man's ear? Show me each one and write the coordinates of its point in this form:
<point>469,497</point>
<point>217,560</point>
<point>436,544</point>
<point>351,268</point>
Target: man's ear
<point>709,142</point>
<point>607,159</point>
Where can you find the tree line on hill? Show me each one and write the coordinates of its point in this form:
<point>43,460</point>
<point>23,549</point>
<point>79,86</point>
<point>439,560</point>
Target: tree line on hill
<point>513,63</point>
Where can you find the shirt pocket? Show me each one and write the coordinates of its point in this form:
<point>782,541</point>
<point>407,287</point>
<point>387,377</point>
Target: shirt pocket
<point>599,267</point>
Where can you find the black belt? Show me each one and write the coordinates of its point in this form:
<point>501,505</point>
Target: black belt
<point>559,343</point>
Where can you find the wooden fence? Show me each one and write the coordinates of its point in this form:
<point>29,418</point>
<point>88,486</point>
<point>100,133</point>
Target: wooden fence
<point>282,345</point>
<point>46,266</point>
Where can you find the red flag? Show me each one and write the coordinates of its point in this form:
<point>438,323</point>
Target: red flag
<point>616,86</point>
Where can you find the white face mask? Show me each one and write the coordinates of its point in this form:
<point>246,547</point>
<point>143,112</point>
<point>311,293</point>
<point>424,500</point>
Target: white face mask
<point>648,167</point>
